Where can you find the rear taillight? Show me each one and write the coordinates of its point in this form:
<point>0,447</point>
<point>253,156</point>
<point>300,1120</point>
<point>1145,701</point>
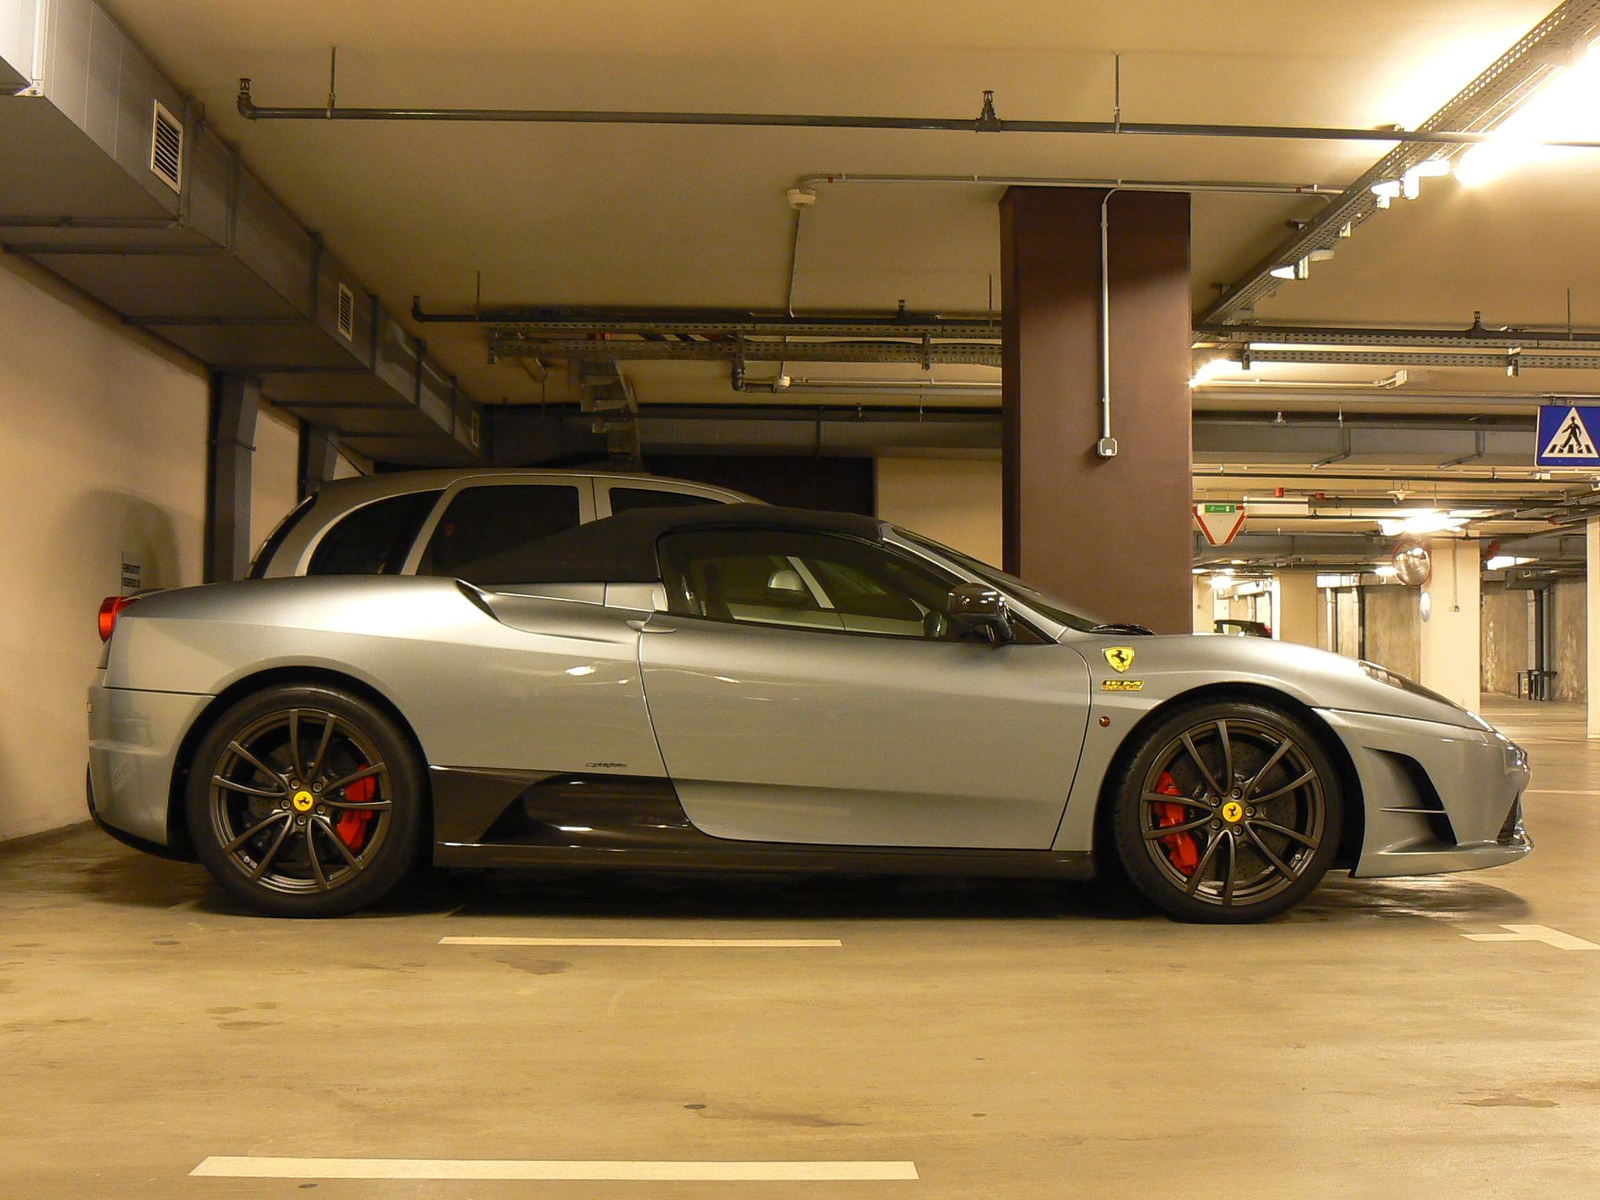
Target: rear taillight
<point>110,607</point>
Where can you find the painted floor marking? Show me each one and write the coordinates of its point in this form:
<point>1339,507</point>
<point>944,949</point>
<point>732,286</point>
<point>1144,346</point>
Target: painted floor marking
<point>601,1169</point>
<point>1561,792</point>
<point>686,943</point>
<point>1534,933</point>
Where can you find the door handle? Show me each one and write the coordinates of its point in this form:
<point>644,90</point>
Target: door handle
<point>644,626</point>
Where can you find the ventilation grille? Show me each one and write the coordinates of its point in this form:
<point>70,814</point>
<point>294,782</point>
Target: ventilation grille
<point>166,148</point>
<point>347,313</point>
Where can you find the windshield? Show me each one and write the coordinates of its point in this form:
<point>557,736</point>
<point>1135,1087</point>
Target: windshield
<point>1041,602</point>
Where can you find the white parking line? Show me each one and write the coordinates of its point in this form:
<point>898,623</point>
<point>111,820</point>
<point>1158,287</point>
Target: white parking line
<point>689,943</point>
<point>579,1169</point>
<point>1534,933</point>
<point>1561,792</point>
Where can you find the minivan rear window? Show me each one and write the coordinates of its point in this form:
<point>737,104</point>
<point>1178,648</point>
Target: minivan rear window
<point>275,539</point>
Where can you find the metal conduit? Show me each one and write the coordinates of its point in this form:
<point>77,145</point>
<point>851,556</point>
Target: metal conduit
<point>986,122</point>
<point>1225,186</point>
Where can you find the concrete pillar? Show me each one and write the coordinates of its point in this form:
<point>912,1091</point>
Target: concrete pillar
<point>1297,607</point>
<point>1110,533</point>
<point>1592,604</point>
<point>319,458</point>
<point>235,400</point>
<point>1450,622</point>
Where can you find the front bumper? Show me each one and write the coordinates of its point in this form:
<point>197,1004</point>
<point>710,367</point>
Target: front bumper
<point>134,739</point>
<point>1438,797</point>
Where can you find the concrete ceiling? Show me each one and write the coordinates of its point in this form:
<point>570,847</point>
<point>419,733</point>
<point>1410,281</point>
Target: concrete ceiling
<point>696,216</point>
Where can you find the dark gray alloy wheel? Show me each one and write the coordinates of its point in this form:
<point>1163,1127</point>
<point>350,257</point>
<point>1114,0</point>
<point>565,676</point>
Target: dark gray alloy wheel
<point>306,801</point>
<point>1228,812</point>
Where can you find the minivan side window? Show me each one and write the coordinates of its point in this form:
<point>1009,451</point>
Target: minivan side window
<point>627,499</point>
<point>375,538</point>
<point>486,529</point>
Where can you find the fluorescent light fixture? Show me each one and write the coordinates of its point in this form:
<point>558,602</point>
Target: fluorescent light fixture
<point>1428,521</point>
<point>1295,270</point>
<point>1212,368</point>
<point>1385,571</point>
<point>1567,108</point>
<point>1501,561</point>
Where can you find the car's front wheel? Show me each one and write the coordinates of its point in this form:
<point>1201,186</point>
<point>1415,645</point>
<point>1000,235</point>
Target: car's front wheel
<point>306,801</point>
<point>1227,812</point>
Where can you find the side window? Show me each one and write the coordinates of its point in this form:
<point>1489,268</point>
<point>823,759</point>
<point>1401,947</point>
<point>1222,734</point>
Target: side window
<point>486,530</point>
<point>805,580</point>
<point>626,499</point>
<point>375,539</point>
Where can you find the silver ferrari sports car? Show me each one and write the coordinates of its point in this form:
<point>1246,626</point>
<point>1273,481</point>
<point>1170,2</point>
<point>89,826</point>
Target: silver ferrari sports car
<point>750,688</point>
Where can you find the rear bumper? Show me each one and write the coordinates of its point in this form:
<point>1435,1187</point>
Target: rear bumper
<point>134,739</point>
<point>1437,797</point>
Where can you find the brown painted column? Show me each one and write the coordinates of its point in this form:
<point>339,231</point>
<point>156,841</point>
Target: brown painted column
<point>1112,535</point>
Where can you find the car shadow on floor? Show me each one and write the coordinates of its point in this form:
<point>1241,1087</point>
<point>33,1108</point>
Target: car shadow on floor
<point>88,865</point>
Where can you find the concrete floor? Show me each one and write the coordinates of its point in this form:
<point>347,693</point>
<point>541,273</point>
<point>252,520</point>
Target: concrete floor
<point>1009,1039</point>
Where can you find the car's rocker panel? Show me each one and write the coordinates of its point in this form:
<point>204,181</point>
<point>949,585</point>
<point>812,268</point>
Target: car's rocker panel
<point>540,819</point>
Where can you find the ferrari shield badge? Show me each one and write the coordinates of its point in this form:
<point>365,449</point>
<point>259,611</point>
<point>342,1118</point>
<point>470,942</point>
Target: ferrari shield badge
<point>1120,657</point>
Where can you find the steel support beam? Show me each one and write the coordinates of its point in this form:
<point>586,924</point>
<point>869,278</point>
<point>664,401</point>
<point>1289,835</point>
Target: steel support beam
<point>235,401</point>
<point>925,353</point>
<point>1478,107</point>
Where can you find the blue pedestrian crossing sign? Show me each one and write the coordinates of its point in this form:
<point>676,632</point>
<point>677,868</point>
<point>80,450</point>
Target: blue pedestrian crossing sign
<point>1569,436</point>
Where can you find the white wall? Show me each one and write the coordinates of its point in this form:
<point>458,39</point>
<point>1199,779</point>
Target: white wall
<point>102,451</point>
<point>274,471</point>
<point>951,500</point>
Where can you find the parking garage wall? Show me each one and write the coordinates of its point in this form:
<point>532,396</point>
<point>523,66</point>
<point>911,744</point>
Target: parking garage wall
<point>952,500</point>
<point>1394,628</point>
<point>1569,645</point>
<point>1503,652</point>
<point>102,463</point>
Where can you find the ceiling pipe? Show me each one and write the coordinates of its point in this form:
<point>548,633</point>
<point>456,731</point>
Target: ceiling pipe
<point>1221,186</point>
<point>986,122</point>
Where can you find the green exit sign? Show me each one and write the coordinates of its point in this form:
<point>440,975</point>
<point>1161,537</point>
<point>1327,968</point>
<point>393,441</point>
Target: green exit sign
<point>1219,508</point>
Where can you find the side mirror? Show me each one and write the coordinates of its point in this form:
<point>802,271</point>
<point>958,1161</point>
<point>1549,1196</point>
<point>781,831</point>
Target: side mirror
<point>982,607</point>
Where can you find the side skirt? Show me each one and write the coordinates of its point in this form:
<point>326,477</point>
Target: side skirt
<point>502,818</point>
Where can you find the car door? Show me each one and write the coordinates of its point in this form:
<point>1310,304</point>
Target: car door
<point>850,711</point>
<point>482,525</point>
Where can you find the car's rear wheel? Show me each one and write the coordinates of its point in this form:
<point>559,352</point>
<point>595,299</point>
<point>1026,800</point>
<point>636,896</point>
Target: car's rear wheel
<point>306,801</point>
<point>1227,812</point>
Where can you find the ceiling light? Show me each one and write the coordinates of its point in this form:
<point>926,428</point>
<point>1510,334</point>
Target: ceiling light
<point>1428,521</point>
<point>1501,561</point>
<point>1564,109</point>
<point>1385,571</point>
<point>1212,368</point>
<point>1295,270</point>
<point>1386,191</point>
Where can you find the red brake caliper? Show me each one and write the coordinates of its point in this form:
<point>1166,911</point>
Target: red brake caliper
<point>352,823</point>
<point>1180,847</point>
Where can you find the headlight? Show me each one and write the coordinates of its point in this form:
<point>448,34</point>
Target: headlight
<point>1395,679</point>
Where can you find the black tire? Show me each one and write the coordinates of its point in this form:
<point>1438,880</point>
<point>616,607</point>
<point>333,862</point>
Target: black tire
<point>280,810</point>
<point>1255,810</point>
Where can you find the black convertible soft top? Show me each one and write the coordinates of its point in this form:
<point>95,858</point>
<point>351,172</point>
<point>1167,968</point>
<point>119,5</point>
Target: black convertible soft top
<point>622,549</point>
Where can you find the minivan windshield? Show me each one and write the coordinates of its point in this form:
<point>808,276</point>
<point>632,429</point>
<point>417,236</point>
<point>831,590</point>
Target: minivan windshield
<point>1040,602</point>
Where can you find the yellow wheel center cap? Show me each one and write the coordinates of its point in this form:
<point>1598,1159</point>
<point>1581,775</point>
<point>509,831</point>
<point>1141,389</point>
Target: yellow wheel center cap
<point>304,801</point>
<point>1231,811</point>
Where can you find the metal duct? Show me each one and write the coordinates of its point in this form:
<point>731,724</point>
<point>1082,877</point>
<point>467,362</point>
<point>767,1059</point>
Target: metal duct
<point>115,183</point>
